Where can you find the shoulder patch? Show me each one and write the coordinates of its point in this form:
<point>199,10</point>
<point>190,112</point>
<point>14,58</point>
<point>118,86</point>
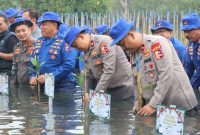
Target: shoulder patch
<point>157,51</point>
<point>103,48</point>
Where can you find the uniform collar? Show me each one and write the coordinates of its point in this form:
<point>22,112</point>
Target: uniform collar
<point>4,33</point>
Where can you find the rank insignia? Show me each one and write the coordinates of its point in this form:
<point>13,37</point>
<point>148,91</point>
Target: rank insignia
<point>157,50</point>
<point>94,53</point>
<point>103,48</point>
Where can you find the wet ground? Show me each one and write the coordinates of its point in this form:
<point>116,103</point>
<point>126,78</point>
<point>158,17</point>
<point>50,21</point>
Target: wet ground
<point>25,111</point>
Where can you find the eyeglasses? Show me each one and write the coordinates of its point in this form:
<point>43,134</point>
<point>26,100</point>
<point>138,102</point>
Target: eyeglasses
<point>159,32</point>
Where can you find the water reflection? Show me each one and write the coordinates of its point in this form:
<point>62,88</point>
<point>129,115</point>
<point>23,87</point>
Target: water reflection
<point>25,111</point>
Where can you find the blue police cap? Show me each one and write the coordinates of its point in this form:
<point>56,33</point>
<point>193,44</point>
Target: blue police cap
<point>73,33</point>
<point>11,12</point>
<point>162,24</point>
<point>88,29</point>
<point>49,16</point>
<point>119,30</point>
<point>102,29</point>
<point>20,21</point>
<point>190,21</point>
<point>63,28</point>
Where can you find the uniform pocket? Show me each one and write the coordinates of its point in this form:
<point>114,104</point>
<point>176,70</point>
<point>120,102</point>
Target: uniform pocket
<point>150,72</point>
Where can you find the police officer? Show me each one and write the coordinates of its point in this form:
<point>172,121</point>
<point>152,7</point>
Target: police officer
<point>106,66</point>
<point>165,29</point>
<point>102,29</point>
<point>11,13</point>
<point>191,28</point>
<point>7,42</point>
<point>157,64</point>
<point>32,15</point>
<point>22,50</point>
<point>56,56</point>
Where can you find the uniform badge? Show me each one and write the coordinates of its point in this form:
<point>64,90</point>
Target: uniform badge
<point>30,50</point>
<point>185,23</point>
<point>67,48</point>
<point>17,51</point>
<point>51,50</point>
<point>52,57</point>
<point>146,52</point>
<point>55,52</point>
<point>159,23</point>
<point>97,62</point>
<point>157,50</point>
<point>94,53</point>
<point>151,75</point>
<point>151,66</point>
<point>103,48</point>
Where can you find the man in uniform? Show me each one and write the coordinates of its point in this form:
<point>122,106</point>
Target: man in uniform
<point>32,15</point>
<point>164,28</point>
<point>157,68</point>
<point>107,67</point>
<point>56,56</point>
<point>102,29</point>
<point>7,42</point>
<point>11,13</point>
<point>22,51</point>
<point>191,28</point>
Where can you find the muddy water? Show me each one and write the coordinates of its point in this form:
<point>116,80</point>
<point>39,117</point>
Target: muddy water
<point>25,111</point>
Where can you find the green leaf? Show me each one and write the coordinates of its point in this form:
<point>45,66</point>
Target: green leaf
<point>34,62</point>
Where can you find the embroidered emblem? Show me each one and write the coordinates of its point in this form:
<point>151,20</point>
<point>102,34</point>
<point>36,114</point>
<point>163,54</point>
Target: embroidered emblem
<point>157,50</point>
<point>103,48</point>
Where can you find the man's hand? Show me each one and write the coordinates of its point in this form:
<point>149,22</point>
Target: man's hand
<point>33,81</point>
<point>147,110</point>
<point>41,79</point>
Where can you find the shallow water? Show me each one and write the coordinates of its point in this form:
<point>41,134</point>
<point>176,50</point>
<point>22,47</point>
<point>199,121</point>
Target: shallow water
<point>25,111</point>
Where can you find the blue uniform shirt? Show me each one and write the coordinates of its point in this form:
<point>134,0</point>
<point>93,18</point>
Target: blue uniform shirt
<point>58,59</point>
<point>192,64</point>
<point>180,49</point>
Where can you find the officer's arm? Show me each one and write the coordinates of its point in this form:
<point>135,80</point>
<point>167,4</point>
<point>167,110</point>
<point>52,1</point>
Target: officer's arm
<point>195,79</point>
<point>32,68</point>
<point>165,72</point>
<point>183,52</point>
<point>12,41</point>
<point>109,61</point>
<point>188,65</point>
<point>68,63</point>
<point>90,80</point>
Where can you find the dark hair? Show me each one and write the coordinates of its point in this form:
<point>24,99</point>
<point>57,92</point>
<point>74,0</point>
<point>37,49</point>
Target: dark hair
<point>32,13</point>
<point>4,17</point>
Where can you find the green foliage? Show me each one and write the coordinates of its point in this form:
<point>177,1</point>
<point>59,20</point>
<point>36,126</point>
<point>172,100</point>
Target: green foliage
<point>101,6</point>
<point>79,79</point>
<point>36,65</point>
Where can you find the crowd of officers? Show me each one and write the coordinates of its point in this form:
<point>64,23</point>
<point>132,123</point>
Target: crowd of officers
<point>147,69</point>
